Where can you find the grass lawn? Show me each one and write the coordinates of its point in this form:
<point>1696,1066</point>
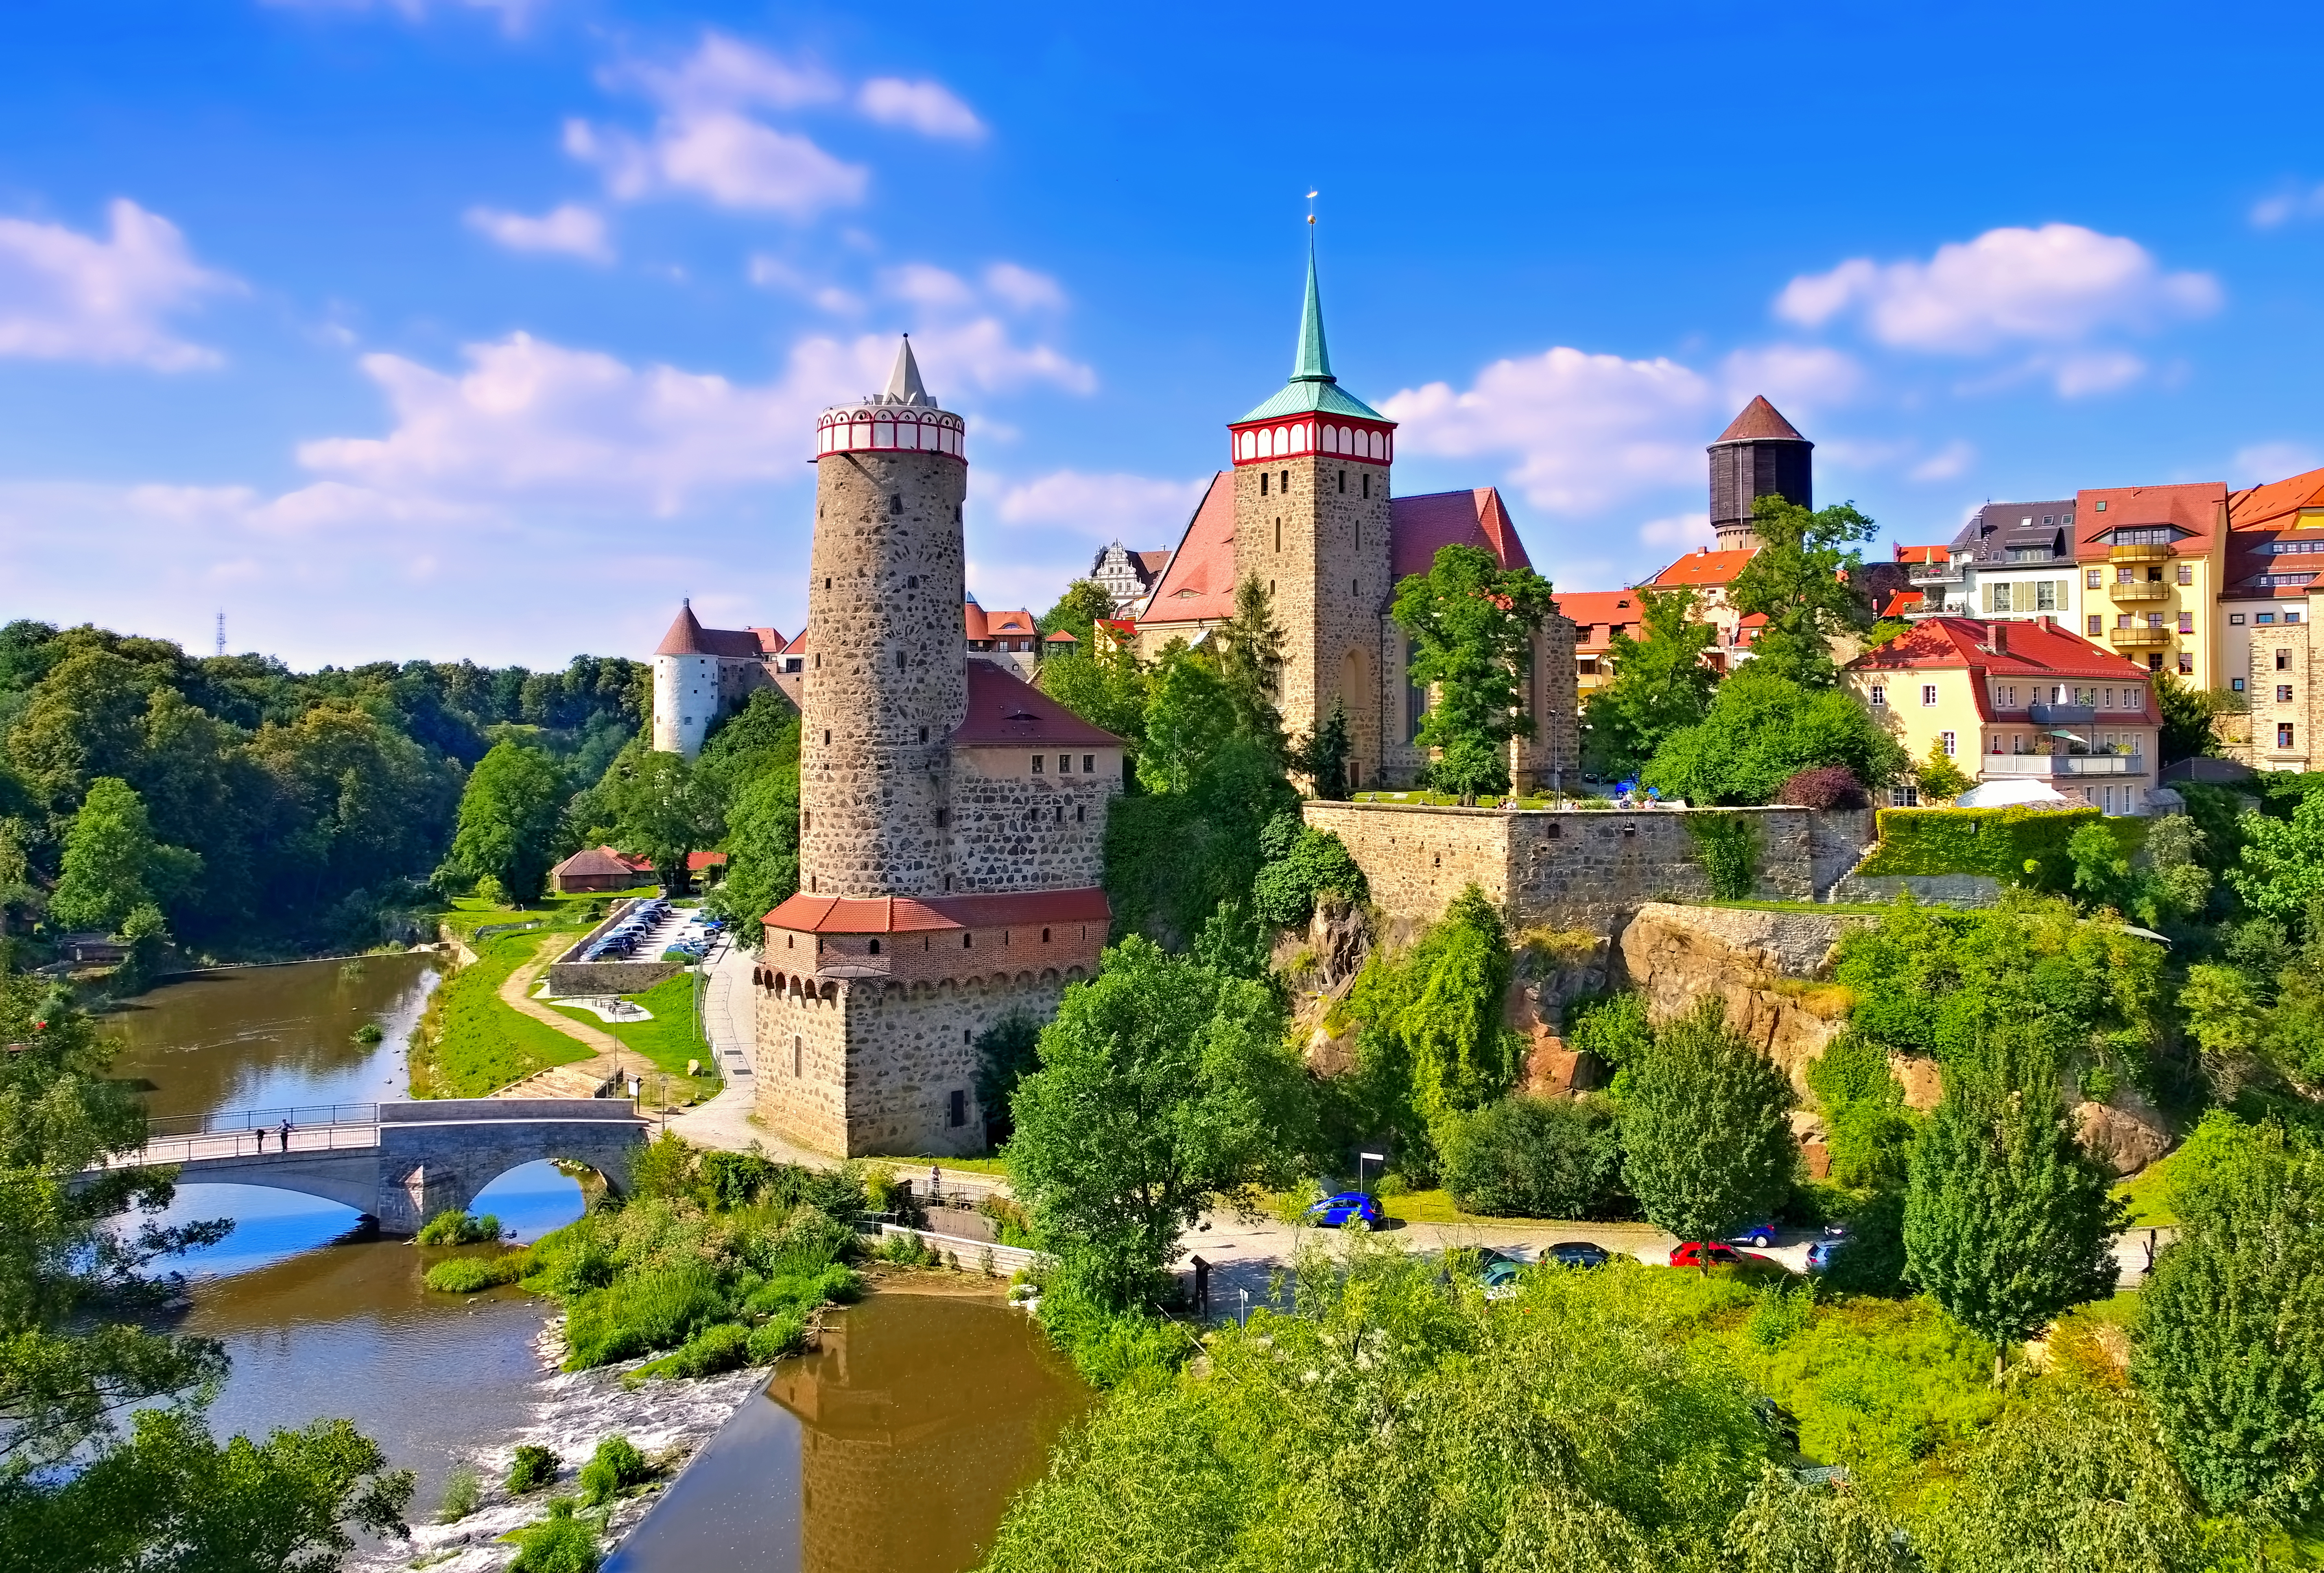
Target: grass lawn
<point>568,914</point>
<point>2144,1194</point>
<point>668,1041</point>
<point>470,1044</point>
<point>912,1168</point>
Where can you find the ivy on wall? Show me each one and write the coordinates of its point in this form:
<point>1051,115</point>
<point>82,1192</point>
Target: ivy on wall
<point>1728,846</point>
<point>1998,843</point>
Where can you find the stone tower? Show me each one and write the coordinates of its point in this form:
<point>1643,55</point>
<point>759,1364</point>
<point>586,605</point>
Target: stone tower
<point>1312,524</point>
<point>886,686</point>
<point>685,685</point>
<point>1760,454</point>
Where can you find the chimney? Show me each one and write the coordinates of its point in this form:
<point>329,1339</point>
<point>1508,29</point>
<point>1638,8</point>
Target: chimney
<point>1999,641</point>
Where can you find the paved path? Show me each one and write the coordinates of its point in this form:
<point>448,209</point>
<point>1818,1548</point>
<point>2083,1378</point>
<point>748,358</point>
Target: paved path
<point>579,1079</point>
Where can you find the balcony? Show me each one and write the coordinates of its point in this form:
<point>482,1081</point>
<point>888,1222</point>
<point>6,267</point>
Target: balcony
<point>1936,573</point>
<point>2061,715</point>
<point>2016,765</point>
<point>2142,590</point>
<point>2138,637</point>
<point>2150,552</point>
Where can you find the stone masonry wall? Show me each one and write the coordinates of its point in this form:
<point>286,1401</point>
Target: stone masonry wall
<point>1012,829</point>
<point>887,682</point>
<point>2303,710</point>
<point>572,979</point>
<point>1573,868</point>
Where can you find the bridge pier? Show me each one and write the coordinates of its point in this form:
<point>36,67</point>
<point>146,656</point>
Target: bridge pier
<point>407,1201</point>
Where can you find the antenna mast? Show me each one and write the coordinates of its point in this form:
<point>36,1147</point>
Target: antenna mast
<point>221,632</point>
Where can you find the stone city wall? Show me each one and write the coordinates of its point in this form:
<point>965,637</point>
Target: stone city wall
<point>1563,868</point>
<point>936,955</point>
<point>570,977</point>
<point>1013,830</point>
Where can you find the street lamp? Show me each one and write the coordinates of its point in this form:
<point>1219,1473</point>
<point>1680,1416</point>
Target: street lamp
<point>1362,1159</point>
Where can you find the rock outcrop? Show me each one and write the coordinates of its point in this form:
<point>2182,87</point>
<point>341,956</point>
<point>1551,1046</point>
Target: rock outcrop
<point>1763,964</point>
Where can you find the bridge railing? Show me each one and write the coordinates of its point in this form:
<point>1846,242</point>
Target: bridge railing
<point>253,1141</point>
<point>252,1119</point>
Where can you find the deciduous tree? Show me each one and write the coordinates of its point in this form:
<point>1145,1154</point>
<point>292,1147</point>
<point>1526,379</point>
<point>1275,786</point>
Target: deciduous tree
<point>1661,684</point>
<point>112,864</point>
<point>1471,623</point>
<point>1799,579</point>
<point>662,810</point>
<point>1078,609</point>
<point>1706,1130</point>
<point>508,818</point>
<point>1761,729</point>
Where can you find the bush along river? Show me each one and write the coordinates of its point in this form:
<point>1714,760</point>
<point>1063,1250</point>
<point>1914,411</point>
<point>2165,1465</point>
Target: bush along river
<point>894,1441</point>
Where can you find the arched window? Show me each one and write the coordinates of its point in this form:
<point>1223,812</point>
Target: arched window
<point>1282,440</point>
<point>1331,439</point>
<point>875,947</point>
<point>883,433</point>
<point>1045,936</point>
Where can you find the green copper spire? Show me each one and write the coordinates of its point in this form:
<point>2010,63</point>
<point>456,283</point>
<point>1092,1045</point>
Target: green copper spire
<point>1313,362</point>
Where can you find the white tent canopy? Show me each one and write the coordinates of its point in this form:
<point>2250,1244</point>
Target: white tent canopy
<point>2003,793</point>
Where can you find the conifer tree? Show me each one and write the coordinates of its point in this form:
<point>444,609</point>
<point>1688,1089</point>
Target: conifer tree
<point>1706,1130</point>
<point>1322,756</point>
<point>2007,1221</point>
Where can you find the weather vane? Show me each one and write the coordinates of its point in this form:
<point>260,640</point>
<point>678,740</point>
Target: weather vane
<point>1311,207</point>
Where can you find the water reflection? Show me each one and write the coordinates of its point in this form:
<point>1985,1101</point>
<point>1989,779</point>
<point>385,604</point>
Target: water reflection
<point>896,1446</point>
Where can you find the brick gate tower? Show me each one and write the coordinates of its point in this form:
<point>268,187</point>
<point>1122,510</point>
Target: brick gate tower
<point>952,817</point>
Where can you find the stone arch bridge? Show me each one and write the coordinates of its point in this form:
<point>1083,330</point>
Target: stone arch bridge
<point>400,1164</point>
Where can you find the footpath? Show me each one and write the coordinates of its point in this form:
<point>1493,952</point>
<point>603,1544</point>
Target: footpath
<point>580,1079</point>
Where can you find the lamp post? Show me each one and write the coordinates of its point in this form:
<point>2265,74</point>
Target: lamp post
<point>1363,1158</point>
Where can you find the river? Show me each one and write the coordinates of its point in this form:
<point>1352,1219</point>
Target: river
<point>873,1452</point>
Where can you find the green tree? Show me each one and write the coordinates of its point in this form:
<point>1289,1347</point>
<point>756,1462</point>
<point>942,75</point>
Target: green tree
<point>2187,715</point>
<point>508,818</point>
<point>1105,688</point>
<point>1660,684</point>
<point>1250,667</point>
<point>1162,1086</point>
<point>1077,611</point>
<point>1189,718</point>
<point>1433,1044</point>
<point>1535,1157</point>
<point>663,810</point>
<point>1471,623</point>
<point>1303,865</point>
<point>2281,871</point>
<point>1941,780</point>
<point>2007,1221</point>
<point>762,840</point>
<point>1323,755</point>
<point>112,864</point>
<point>1706,1129</point>
<point>1802,581</point>
<point>1762,729</point>
<point>2230,1347</point>
<point>1868,1130</point>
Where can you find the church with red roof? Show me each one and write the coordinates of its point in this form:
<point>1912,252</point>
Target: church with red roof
<point>1307,508</point>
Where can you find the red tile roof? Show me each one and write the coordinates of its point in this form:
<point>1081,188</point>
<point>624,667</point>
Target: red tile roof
<point>1153,562</point>
<point>1419,526</point>
<point>770,640</point>
<point>2276,503</point>
<point>2194,507</point>
<point>1924,554</point>
<point>592,863</point>
<point>1200,582</point>
<point>697,861</point>
<point>687,637</point>
<point>804,914</point>
<point>2034,648</point>
<point>2257,518</point>
<point>1760,422</point>
<point>1704,567</point>
<point>1902,602</point>
<point>1600,614</point>
<point>1062,636</point>
<point>1006,711</point>
<point>980,624</point>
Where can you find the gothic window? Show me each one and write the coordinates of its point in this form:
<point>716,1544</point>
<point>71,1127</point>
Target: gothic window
<point>875,947</point>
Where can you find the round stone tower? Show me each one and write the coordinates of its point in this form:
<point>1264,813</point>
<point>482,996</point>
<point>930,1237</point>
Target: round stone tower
<point>886,681</point>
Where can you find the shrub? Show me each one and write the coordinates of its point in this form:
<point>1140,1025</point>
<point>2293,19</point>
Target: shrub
<point>1824,786</point>
<point>532,1467</point>
<point>881,1188</point>
<point>658,1309</point>
<point>559,1543</point>
<point>459,1229</point>
<point>1535,1157</point>
<point>777,1336</point>
<point>906,1250</point>
<point>1998,842</point>
<point>717,1348</point>
<point>663,1168</point>
<point>464,1491</point>
<point>611,1469</point>
<point>1728,846</point>
<point>369,1033</point>
<point>1302,865</point>
<point>468,1274</point>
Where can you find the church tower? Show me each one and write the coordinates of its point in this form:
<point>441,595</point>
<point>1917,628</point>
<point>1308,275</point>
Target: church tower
<point>1760,454</point>
<point>886,686</point>
<point>1311,522</point>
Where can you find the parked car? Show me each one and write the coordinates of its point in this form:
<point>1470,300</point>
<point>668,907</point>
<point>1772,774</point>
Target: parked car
<point>1578,1254</point>
<point>1694,1253</point>
<point>1822,1252</point>
<point>1761,1235</point>
<point>1499,1277</point>
<point>1348,1206</point>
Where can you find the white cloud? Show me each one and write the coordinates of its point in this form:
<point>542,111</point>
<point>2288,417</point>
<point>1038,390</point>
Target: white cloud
<point>1139,510</point>
<point>570,229</point>
<point>927,107</point>
<point>2057,284</point>
<point>731,159</point>
<point>1682,533</point>
<point>1945,463</point>
<point>513,14</point>
<point>725,73</point>
<point>2273,212</point>
<point>1024,288</point>
<point>2272,461</point>
<point>928,285</point>
<point>1793,376</point>
<point>1583,430</point>
<point>2092,372</point>
<point>65,296</point>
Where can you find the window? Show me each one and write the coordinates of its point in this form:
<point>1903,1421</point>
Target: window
<point>956,1109</point>
<point>2283,734</point>
<point>2283,692</point>
<point>1036,763</point>
<point>1997,742</point>
<point>827,736</point>
<point>2236,684</point>
<point>799,1054</point>
<point>1907,795</point>
<point>2154,619</point>
<point>1997,597</point>
<point>1368,486</point>
<point>896,504</point>
<point>2157,534</point>
<point>1879,694</point>
<point>2264,617</point>
<point>1283,484</point>
<point>1950,741</point>
<point>903,659</point>
<point>2186,622</point>
<point>1064,764</point>
<point>967,941</point>
<point>875,947</point>
<point>2098,624</point>
<point>1928,694</point>
<point>1089,764</point>
<point>2125,575</point>
<point>2292,617</point>
<point>2093,578</point>
<point>2101,505</point>
<point>2045,593</point>
<point>2234,619</point>
<point>1262,482</point>
<point>1278,534</point>
<point>2186,573</point>
<point>2283,660</point>
<point>1081,814</point>
<point>1343,482</point>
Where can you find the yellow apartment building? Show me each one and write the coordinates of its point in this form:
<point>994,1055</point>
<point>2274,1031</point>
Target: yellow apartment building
<point>2151,561</point>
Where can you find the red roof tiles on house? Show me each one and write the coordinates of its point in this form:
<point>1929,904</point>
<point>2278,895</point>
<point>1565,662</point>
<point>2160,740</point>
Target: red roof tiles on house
<point>980,624</point>
<point>1004,710</point>
<point>804,914</point>
<point>1924,554</point>
<point>2197,507</point>
<point>592,863</point>
<point>687,637</point>
<point>1703,568</point>
<point>1419,526</point>
<point>2276,504</point>
<point>2041,648</point>
<point>1200,582</point>
<point>1760,422</point>
<point>1600,614</point>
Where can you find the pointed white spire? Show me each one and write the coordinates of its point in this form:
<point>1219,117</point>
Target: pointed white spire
<point>904,384</point>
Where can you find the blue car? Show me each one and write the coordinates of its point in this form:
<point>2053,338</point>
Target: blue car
<point>1822,1252</point>
<point>1762,1234</point>
<point>1348,1206</point>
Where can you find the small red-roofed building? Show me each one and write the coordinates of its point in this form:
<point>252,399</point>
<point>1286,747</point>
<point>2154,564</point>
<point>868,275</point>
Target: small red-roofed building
<point>1708,573</point>
<point>2010,700</point>
<point>598,869</point>
<point>1598,615</point>
<point>2271,596</point>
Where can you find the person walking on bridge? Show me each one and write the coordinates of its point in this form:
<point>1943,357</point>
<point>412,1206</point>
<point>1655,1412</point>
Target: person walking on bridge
<point>285,1133</point>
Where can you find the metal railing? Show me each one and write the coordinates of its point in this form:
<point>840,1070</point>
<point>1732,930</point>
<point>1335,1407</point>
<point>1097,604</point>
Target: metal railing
<point>249,1120</point>
<point>248,1142</point>
<point>1935,573</point>
<point>2062,765</point>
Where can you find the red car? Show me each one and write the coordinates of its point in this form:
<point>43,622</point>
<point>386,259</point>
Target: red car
<point>1692,1254</point>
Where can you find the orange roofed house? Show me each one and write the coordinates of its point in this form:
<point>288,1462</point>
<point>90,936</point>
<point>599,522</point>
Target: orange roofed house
<point>1305,508</point>
<point>2018,700</point>
<point>2272,593</point>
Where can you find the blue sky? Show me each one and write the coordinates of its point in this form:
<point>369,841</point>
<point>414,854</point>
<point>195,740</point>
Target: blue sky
<point>490,327</point>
